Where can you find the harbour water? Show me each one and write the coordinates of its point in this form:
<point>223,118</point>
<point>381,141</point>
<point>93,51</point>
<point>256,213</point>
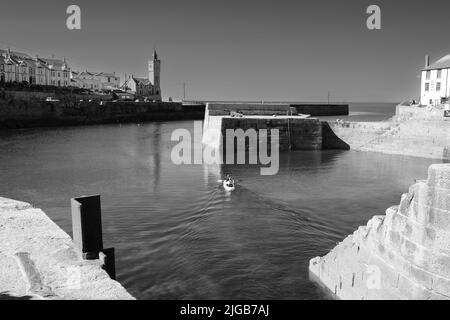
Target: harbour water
<point>177,234</point>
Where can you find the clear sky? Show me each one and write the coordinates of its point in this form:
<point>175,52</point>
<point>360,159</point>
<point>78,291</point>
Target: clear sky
<point>243,49</point>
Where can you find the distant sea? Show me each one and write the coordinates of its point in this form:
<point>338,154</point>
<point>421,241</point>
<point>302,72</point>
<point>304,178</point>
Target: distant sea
<point>367,111</point>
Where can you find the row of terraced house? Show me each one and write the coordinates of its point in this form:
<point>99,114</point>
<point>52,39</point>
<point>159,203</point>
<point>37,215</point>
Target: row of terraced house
<point>20,67</point>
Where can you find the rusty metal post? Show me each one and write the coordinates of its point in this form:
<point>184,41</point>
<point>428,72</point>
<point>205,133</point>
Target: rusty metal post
<point>87,232</point>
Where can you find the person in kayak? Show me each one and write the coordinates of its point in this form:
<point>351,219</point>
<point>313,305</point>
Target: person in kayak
<point>228,180</point>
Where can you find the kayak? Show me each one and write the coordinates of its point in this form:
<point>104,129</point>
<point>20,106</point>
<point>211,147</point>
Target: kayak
<point>228,186</point>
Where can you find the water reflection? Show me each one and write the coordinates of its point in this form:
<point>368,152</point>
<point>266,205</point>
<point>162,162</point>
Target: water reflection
<point>177,233</point>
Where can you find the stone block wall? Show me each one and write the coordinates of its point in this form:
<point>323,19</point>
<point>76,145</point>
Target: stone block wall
<point>321,110</point>
<point>404,254</point>
<point>294,134</point>
<point>40,113</point>
<point>403,113</point>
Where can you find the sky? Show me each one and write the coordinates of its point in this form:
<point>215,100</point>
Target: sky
<point>271,50</point>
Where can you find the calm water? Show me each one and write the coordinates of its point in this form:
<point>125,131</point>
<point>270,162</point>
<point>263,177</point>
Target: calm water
<point>177,234</point>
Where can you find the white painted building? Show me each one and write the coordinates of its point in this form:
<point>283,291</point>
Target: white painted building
<point>435,85</point>
<point>149,87</point>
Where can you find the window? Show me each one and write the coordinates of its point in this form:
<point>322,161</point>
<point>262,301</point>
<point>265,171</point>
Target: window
<point>53,73</point>
<point>428,75</point>
<point>59,74</point>
<point>439,74</point>
<point>438,86</point>
<point>427,87</point>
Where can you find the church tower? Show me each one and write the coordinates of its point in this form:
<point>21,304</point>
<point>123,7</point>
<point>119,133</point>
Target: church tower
<point>154,71</point>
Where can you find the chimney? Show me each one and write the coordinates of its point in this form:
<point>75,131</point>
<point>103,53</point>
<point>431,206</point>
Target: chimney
<point>427,61</point>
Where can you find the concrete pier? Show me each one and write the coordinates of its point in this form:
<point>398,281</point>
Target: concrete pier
<point>404,254</point>
<point>296,131</point>
<point>40,261</point>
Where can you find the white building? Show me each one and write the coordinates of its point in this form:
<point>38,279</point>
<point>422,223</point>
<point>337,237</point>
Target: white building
<point>435,85</point>
<point>146,87</point>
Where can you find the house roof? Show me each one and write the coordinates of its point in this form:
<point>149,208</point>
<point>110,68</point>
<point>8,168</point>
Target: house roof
<point>442,63</point>
<point>106,74</point>
<point>15,54</point>
<point>12,59</point>
<point>54,63</point>
<point>143,81</point>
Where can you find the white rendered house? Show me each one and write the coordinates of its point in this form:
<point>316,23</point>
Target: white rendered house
<point>435,85</point>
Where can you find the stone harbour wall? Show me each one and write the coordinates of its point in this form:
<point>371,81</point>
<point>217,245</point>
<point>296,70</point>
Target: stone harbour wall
<point>404,254</point>
<point>403,113</point>
<point>269,109</point>
<point>296,132</point>
<point>411,137</point>
<point>38,113</point>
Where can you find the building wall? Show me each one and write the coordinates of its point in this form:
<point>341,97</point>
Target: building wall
<point>41,75</point>
<point>108,82</point>
<point>59,78</point>
<point>433,96</point>
<point>34,72</point>
<point>154,75</point>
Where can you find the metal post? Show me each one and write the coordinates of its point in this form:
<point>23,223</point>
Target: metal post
<point>87,231</point>
<point>87,225</point>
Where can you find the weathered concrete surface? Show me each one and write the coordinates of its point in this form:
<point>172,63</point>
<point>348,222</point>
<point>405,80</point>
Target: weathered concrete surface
<point>39,260</point>
<point>404,254</point>
<point>358,134</point>
<point>417,138</point>
<point>430,113</point>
